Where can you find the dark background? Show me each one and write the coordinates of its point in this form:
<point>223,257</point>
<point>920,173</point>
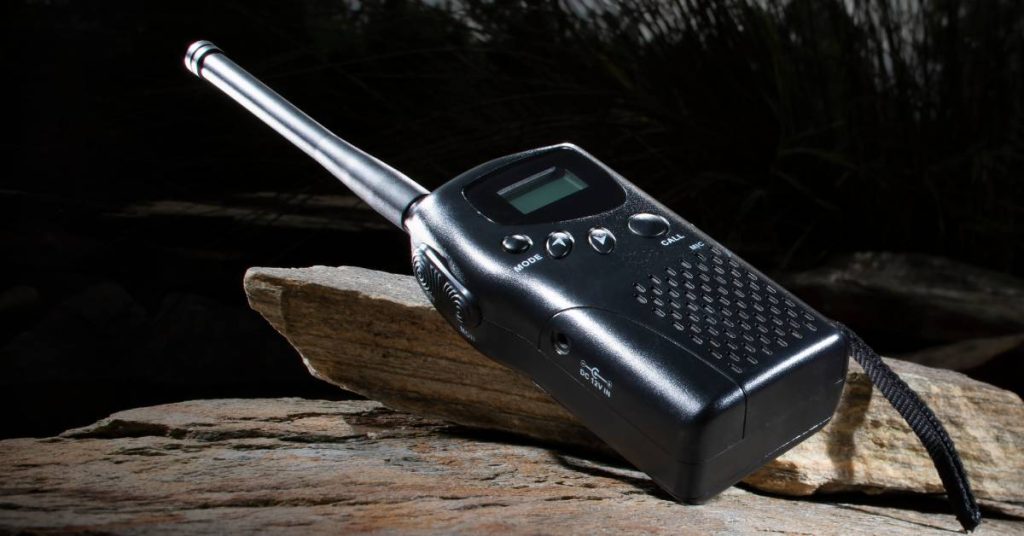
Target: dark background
<point>134,196</point>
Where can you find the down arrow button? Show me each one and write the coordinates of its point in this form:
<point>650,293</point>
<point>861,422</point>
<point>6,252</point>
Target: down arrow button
<point>602,240</point>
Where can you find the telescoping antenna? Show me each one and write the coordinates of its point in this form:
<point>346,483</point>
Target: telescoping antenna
<point>385,189</point>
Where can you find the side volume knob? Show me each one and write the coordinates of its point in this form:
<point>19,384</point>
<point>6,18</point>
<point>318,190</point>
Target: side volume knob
<point>450,297</point>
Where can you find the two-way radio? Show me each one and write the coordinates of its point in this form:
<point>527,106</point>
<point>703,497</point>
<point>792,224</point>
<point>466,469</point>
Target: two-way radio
<point>690,363</point>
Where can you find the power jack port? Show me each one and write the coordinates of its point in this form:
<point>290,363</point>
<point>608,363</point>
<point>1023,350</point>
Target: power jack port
<point>561,343</point>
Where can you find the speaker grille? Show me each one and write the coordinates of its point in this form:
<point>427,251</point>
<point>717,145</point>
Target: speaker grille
<point>742,320</point>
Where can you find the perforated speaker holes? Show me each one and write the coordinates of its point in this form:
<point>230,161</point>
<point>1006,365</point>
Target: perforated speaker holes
<point>718,304</point>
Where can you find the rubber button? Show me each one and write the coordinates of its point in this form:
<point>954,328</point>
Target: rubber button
<point>649,225</point>
<point>602,240</point>
<point>455,302</point>
<point>559,244</point>
<point>516,243</point>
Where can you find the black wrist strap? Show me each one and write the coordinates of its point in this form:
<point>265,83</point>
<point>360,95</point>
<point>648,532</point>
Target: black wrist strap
<point>925,424</point>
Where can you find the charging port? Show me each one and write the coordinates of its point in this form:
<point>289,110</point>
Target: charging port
<point>560,341</point>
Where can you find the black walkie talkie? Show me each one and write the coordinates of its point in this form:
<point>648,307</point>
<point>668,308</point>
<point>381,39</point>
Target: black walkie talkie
<point>690,363</point>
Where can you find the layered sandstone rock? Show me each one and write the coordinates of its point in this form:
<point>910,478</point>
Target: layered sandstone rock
<point>376,334</point>
<point>289,466</point>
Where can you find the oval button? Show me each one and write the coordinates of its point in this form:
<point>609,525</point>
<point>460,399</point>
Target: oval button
<point>516,243</point>
<point>649,225</point>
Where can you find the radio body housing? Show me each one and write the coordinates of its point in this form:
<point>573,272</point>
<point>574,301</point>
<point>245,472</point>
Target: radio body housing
<point>694,366</point>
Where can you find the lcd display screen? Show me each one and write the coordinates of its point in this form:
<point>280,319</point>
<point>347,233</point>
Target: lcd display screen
<point>541,189</point>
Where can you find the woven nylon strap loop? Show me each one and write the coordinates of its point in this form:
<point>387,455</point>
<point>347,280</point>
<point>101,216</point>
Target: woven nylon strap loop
<point>925,424</point>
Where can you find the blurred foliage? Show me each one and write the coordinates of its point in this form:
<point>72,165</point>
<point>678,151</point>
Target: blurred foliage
<point>790,130</point>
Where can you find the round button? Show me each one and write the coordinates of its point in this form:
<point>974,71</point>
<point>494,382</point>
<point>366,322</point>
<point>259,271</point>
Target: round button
<point>602,240</point>
<point>516,243</point>
<point>559,244</point>
<point>649,225</point>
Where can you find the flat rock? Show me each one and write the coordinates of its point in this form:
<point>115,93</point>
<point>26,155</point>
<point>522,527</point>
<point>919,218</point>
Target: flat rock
<point>376,334</point>
<point>295,466</point>
<point>916,301</point>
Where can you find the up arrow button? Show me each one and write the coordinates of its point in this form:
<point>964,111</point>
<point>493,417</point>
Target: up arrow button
<point>602,240</point>
<point>559,244</point>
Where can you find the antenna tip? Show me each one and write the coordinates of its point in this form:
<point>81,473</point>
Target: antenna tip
<point>196,53</point>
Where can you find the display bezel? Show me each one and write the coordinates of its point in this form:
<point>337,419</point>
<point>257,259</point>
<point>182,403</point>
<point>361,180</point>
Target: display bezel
<point>601,194</point>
